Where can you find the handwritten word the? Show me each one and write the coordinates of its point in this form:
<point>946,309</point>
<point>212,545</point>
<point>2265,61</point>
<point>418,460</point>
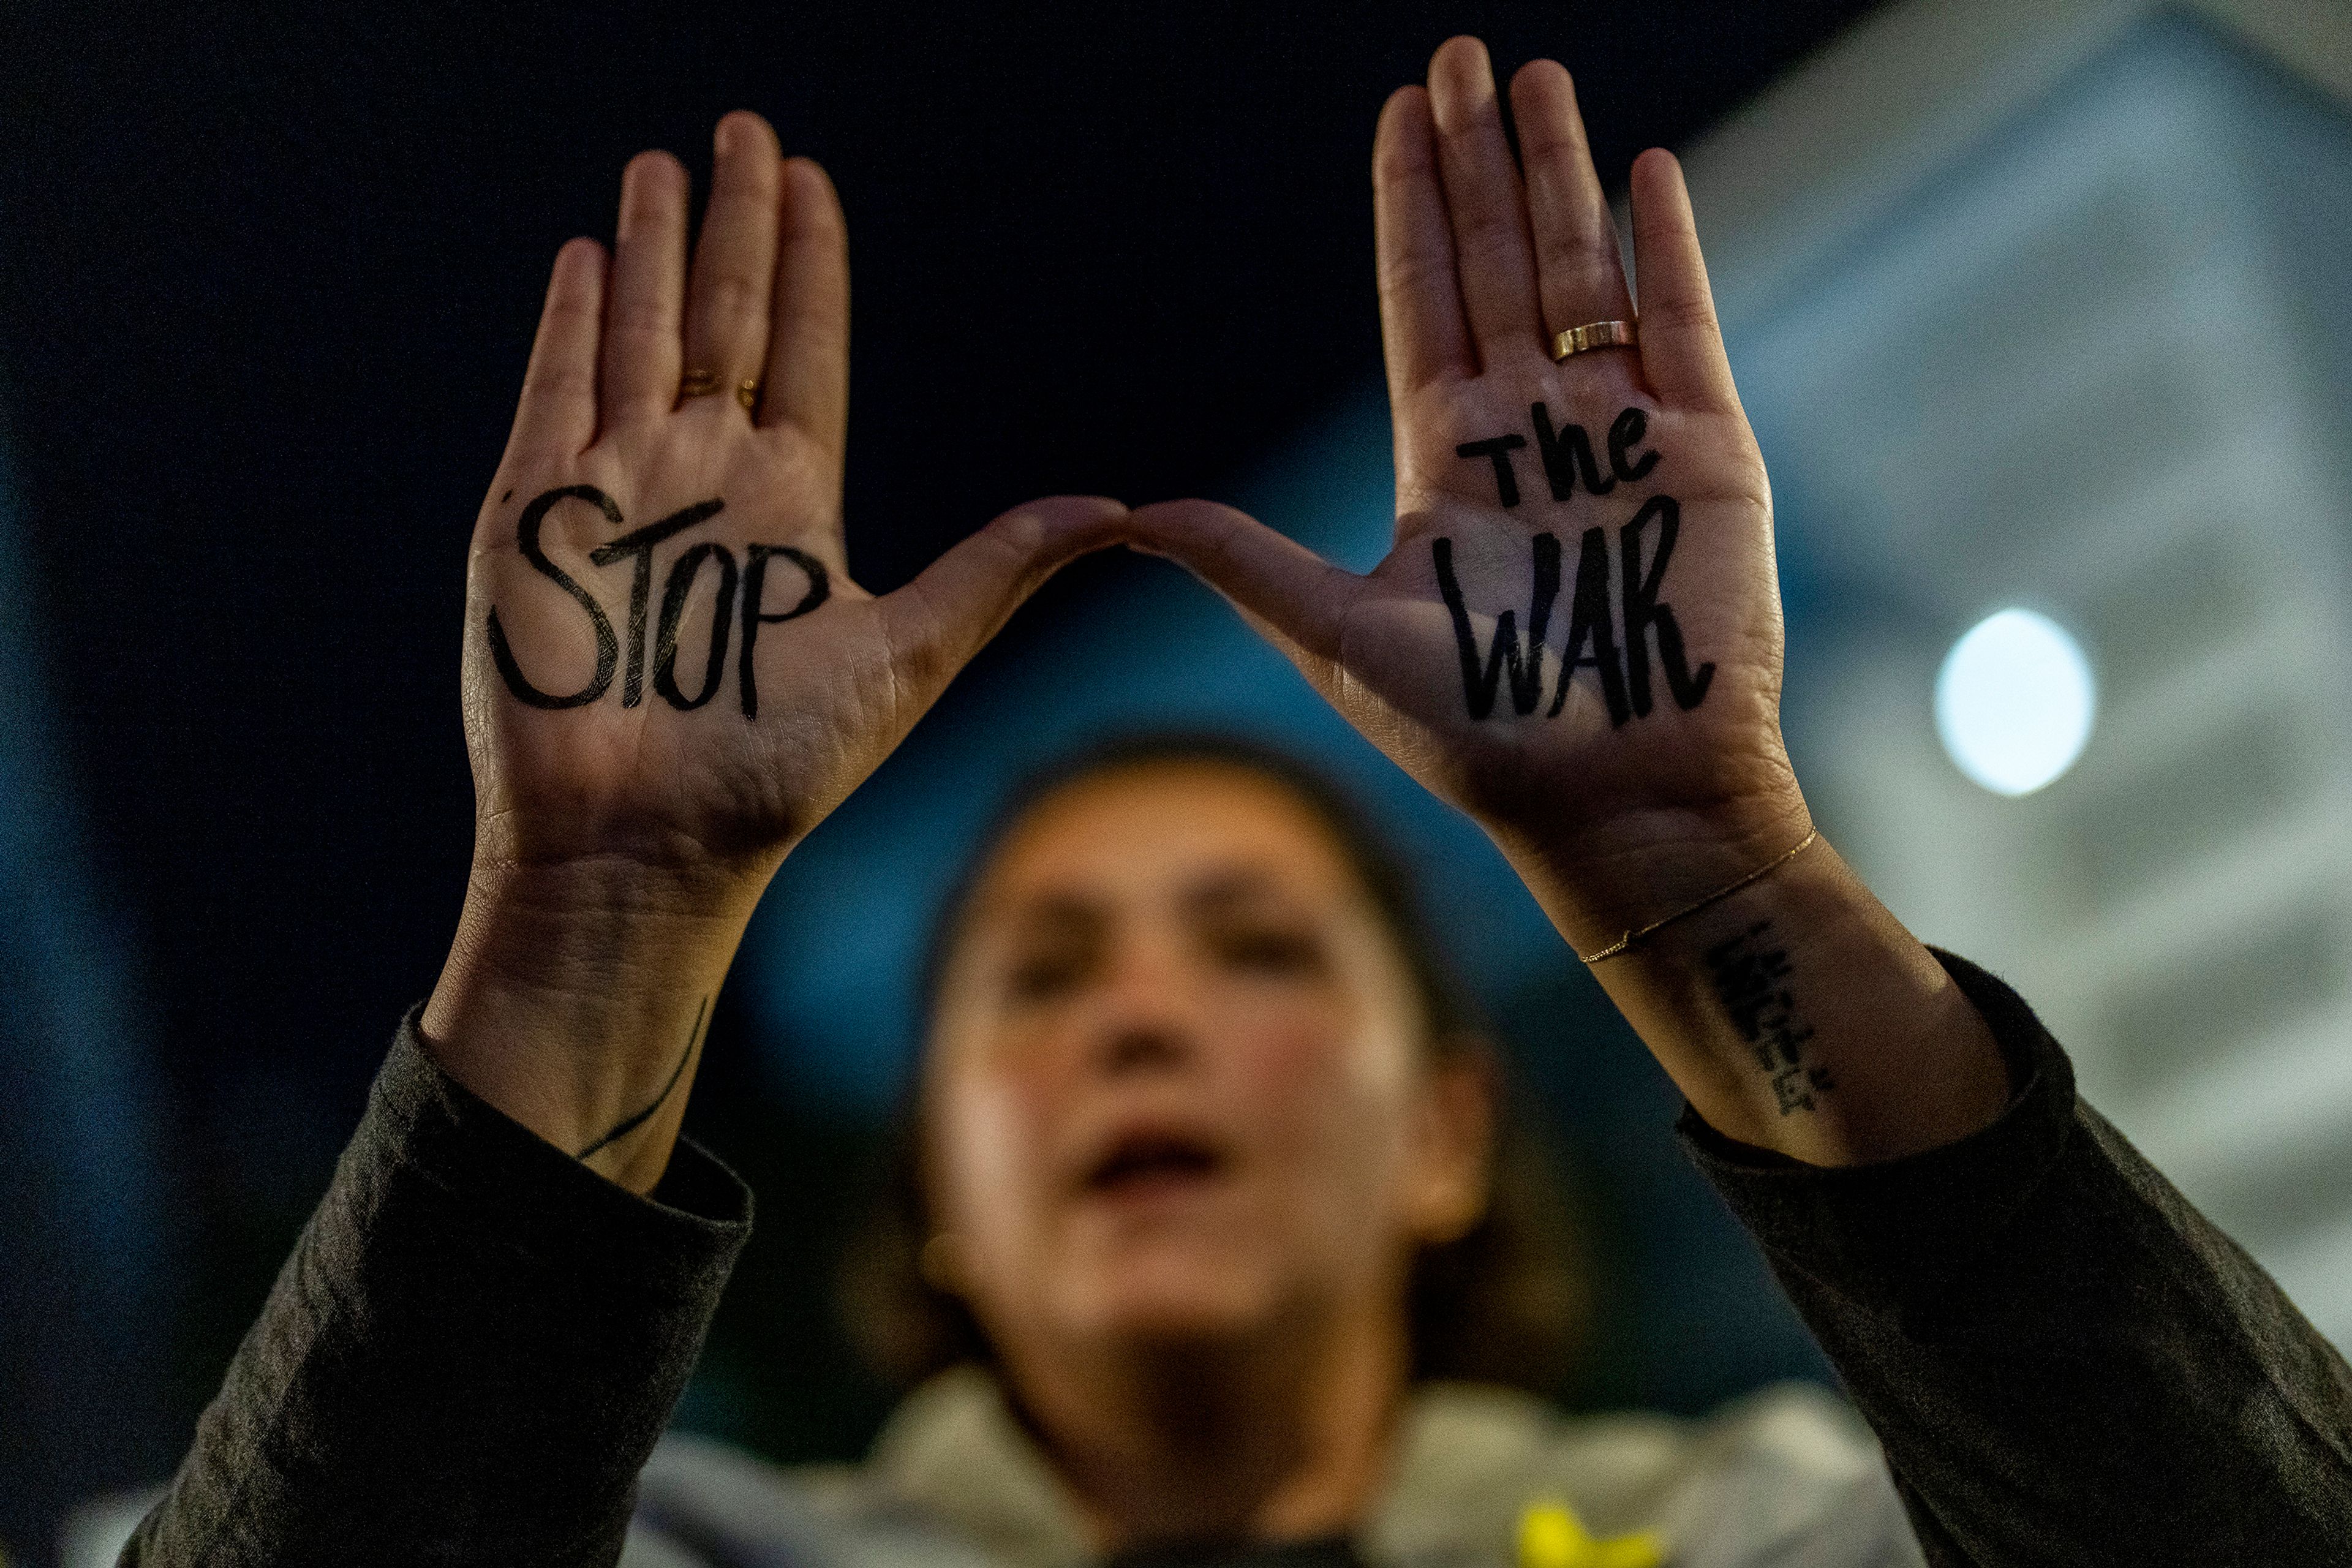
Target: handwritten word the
<point>1567,454</point>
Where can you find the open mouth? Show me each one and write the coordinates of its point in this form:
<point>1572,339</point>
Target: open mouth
<point>1155,1163</point>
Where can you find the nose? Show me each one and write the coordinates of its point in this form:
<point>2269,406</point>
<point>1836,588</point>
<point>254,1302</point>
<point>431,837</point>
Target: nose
<point>1143,1048</point>
<point>1149,1020</point>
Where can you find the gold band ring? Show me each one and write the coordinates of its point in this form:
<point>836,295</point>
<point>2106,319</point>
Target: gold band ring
<point>1594,335</point>
<point>747,394</point>
<point>696,383</point>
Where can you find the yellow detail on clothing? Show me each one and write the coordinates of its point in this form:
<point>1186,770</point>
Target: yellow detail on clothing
<point>1551,1536</point>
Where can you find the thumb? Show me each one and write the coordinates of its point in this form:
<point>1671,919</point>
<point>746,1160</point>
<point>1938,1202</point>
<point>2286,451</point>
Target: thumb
<point>1272,579</point>
<point>938,622</point>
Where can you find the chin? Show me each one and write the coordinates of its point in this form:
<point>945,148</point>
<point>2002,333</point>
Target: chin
<point>1174,1302</point>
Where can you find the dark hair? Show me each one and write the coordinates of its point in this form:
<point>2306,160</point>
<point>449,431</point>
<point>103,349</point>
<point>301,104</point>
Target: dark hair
<point>1505,1303</point>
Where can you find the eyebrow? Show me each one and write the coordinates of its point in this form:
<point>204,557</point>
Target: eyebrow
<point>1057,909</point>
<point>1216,892</point>
<point>1221,889</point>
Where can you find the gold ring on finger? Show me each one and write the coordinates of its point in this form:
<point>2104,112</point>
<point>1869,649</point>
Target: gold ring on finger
<point>696,383</point>
<point>1594,335</point>
<point>747,394</point>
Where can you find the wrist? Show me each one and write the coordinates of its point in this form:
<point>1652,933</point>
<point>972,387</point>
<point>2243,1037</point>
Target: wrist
<point>1790,1008</point>
<point>1602,881</point>
<point>1797,1015</point>
<point>574,997</point>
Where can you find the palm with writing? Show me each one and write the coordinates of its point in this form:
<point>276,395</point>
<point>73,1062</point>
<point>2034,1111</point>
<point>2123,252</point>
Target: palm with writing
<point>1576,635</point>
<point>669,676</point>
<point>622,714</point>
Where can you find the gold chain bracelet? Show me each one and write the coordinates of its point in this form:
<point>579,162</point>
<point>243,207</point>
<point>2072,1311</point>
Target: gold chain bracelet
<point>1630,937</point>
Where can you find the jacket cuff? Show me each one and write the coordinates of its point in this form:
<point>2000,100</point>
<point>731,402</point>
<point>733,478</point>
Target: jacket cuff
<point>536,1197</point>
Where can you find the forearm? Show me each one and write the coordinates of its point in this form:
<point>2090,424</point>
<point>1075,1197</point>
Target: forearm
<point>1795,1014</point>
<point>575,1000</point>
<point>2065,1361</point>
<point>467,1358</point>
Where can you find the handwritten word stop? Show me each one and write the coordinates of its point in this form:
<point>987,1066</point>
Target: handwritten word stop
<point>636,548</point>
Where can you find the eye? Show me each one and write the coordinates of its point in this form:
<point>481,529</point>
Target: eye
<point>1042,974</point>
<point>1269,949</point>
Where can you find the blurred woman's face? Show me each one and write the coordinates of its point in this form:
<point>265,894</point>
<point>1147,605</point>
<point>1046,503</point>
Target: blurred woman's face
<point>1178,1086</point>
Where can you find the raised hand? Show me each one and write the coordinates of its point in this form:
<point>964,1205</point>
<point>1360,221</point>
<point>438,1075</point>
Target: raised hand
<point>1576,634</point>
<point>1576,637</point>
<point>669,676</point>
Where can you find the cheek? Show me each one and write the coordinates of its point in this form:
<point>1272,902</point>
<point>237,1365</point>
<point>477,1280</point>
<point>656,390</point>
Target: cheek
<point>1322,1096</point>
<point>988,1130</point>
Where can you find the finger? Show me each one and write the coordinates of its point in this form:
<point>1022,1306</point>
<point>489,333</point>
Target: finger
<point>939,621</point>
<point>1269,576</point>
<point>808,335</point>
<point>1682,343</point>
<point>557,415</point>
<point>1484,200</point>
<point>735,257</point>
<point>1579,271</point>
<point>641,305</point>
<point>1423,330</point>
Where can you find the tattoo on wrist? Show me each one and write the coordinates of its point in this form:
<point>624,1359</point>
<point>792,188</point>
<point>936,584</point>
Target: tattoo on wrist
<point>1751,973</point>
<point>628,1124</point>
<point>637,547</point>
<point>1640,613</point>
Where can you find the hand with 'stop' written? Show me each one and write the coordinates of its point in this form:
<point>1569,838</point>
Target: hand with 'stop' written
<point>669,676</point>
<point>1576,637</point>
<point>665,657</point>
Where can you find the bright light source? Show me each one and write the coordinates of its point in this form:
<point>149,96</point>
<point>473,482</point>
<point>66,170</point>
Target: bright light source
<point>2014,701</point>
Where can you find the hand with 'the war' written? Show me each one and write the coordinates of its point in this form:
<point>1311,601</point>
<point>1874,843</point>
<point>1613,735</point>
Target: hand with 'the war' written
<point>1576,637</point>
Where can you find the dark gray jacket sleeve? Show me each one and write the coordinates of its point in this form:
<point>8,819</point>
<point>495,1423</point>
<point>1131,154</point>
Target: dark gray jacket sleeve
<point>2066,1362</point>
<point>467,1358</point>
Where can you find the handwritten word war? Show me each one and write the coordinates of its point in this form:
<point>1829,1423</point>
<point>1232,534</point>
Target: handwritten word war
<point>1593,631</point>
<point>636,548</point>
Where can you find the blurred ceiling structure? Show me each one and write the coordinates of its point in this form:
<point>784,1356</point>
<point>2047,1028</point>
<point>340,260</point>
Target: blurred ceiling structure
<point>2040,306</point>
